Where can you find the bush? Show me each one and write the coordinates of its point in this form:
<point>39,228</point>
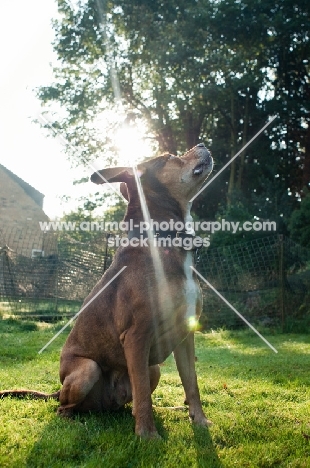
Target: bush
<point>299,224</point>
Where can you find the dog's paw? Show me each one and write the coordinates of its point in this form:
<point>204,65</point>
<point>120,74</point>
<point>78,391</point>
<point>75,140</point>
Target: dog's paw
<point>153,435</point>
<point>65,412</point>
<point>200,420</point>
<point>147,431</point>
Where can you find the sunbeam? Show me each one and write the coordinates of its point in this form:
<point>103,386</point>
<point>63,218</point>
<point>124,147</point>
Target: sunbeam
<point>131,143</point>
<point>164,300</point>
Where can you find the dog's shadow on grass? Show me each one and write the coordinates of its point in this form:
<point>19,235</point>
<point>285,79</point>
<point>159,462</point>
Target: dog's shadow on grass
<point>206,453</point>
<point>96,440</point>
<point>193,446</point>
<point>108,439</point>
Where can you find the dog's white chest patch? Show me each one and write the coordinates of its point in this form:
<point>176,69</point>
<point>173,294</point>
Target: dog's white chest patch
<point>191,289</point>
<point>189,220</point>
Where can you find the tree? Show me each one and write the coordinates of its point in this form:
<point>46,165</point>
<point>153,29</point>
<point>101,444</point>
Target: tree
<point>300,223</point>
<point>92,218</point>
<point>192,71</point>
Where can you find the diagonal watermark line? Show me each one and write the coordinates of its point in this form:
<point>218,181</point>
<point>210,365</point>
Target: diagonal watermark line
<point>236,155</point>
<point>65,141</point>
<point>235,310</point>
<point>83,308</point>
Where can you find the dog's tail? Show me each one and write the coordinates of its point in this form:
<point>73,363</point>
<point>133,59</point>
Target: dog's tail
<point>29,393</point>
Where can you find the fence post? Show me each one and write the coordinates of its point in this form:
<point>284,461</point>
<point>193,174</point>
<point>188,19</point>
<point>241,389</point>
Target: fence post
<point>57,276</point>
<point>56,289</point>
<point>282,281</point>
<point>9,288</point>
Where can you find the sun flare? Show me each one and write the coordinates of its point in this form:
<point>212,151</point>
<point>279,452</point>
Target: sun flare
<point>193,323</point>
<point>132,144</point>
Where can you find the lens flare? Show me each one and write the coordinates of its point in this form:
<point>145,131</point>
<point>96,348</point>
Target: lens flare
<point>132,145</point>
<point>193,323</point>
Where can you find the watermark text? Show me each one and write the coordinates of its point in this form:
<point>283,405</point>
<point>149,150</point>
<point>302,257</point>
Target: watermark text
<point>189,227</point>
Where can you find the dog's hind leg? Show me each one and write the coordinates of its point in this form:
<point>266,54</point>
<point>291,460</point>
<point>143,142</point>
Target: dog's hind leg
<point>79,376</point>
<point>184,355</point>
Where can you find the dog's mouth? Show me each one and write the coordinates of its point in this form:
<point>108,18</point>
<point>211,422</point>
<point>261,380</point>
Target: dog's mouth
<point>205,163</point>
<point>202,167</point>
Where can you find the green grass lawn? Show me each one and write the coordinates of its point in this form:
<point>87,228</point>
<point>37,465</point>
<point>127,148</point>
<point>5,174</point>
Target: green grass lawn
<point>258,402</point>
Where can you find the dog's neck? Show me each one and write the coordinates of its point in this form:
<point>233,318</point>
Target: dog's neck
<point>160,204</point>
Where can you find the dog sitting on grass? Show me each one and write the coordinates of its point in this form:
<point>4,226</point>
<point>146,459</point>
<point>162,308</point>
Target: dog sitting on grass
<point>126,329</point>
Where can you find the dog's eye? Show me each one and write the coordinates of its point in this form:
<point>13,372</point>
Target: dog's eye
<point>177,160</point>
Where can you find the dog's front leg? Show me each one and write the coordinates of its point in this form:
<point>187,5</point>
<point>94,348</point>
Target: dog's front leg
<point>137,348</point>
<point>184,355</point>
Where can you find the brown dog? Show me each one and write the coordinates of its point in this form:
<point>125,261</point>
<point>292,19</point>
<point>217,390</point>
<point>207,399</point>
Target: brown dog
<point>112,354</point>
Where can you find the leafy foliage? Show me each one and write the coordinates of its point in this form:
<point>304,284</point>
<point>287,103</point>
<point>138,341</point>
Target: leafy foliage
<point>88,218</point>
<point>211,71</point>
<point>300,223</point>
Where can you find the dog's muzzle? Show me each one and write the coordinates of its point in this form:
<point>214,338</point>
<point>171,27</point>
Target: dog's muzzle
<point>205,161</point>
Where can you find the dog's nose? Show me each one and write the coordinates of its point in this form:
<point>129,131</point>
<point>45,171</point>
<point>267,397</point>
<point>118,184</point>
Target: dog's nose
<point>200,145</point>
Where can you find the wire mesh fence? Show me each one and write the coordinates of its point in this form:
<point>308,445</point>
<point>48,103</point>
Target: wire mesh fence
<point>267,280</point>
<point>47,275</point>
<point>50,281</point>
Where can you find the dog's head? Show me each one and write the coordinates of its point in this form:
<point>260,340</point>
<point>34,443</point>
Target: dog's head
<point>162,177</point>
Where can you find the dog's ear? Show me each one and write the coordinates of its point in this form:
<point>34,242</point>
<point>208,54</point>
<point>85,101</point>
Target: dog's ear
<point>124,190</point>
<point>114,174</point>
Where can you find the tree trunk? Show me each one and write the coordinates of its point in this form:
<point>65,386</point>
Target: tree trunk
<point>193,129</point>
<point>244,140</point>
<point>231,182</point>
<point>306,161</point>
<point>165,134</point>
<point>166,140</point>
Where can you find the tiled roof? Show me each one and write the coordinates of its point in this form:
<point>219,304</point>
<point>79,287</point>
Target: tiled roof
<point>30,191</point>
